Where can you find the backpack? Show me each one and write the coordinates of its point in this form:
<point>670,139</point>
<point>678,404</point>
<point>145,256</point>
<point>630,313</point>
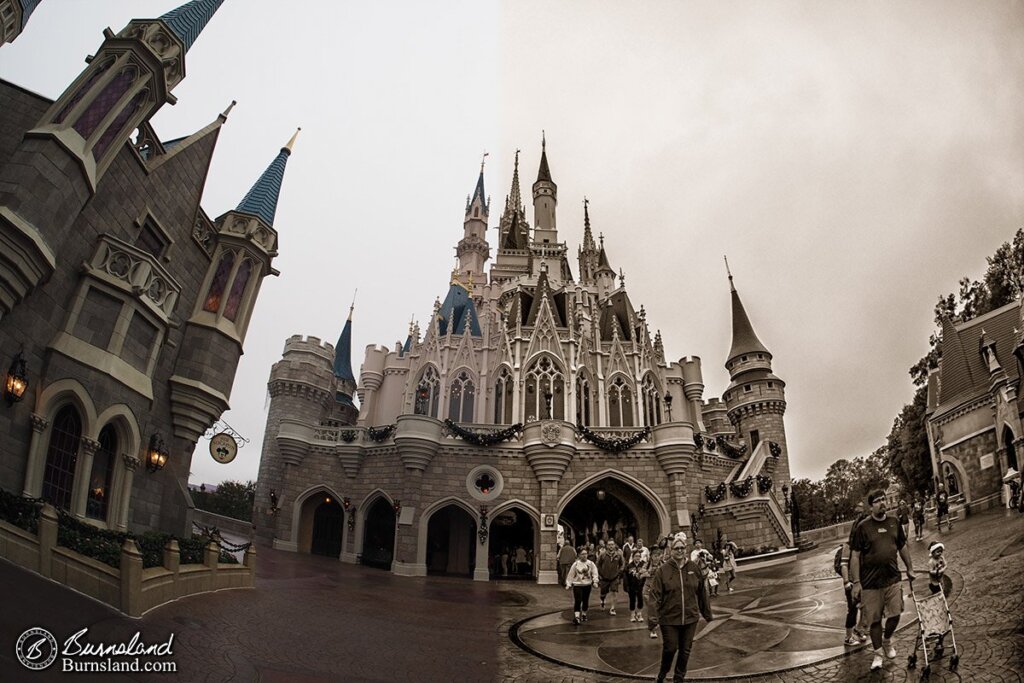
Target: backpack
<point>837,562</point>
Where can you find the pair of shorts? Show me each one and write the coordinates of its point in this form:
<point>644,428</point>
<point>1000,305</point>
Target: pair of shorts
<point>609,585</point>
<point>879,604</point>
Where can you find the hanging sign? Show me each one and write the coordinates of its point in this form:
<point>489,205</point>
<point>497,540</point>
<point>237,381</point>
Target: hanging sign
<point>223,447</point>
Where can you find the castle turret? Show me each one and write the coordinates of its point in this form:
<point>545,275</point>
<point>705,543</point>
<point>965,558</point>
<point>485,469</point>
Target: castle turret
<point>345,389</point>
<point>755,398</point>
<point>604,274</point>
<point>588,255</point>
<point>513,257</point>
<point>54,171</point>
<point>473,249</point>
<point>14,15</point>
<point>545,199</point>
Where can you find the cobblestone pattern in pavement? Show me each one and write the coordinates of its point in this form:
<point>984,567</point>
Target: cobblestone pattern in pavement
<point>987,550</point>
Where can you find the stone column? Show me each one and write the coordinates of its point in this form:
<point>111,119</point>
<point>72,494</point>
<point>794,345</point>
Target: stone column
<point>418,438</point>
<point>549,446</point>
<point>36,458</point>
<point>131,578</point>
<point>80,495</point>
<point>131,463</point>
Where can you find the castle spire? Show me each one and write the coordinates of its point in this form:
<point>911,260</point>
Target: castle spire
<point>343,350</point>
<point>515,198</point>
<point>744,340</point>
<point>478,197</point>
<point>588,236</point>
<point>189,20</point>
<point>261,200</point>
<point>545,200</point>
<point>19,13</point>
<point>543,173</point>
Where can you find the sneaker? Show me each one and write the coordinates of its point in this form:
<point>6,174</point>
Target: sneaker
<point>876,663</point>
<point>602,603</point>
<point>632,617</point>
<point>860,635</point>
<point>654,634</point>
<point>852,640</point>
<point>576,621</point>
<point>730,589</point>
<point>890,651</point>
<point>584,616</point>
<point>612,611</point>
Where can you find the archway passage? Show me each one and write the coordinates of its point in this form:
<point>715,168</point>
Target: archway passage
<point>327,519</point>
<point>512,548</point>
<point>609,509</point>
<point>952,481</point>
<point>451,542</point>
<point>379,535</point>
<point>1011,451</point>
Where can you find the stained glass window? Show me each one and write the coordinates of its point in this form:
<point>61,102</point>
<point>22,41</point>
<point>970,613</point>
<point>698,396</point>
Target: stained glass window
<point>86,87</point>
<point>107,99</point>
<point>116,127</point>
<point>238,290</point>
<point>220,281</point>
<point>461,399</point>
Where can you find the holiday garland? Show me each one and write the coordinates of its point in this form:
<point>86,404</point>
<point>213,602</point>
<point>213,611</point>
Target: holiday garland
<point>347,435</point>
<point>480,438</point>
<point>380,434</point>
<point>729,449</point>
<point>775,449</point>
<point>764,483</point>
<point>742,489</point>
<point>616,445</point>
<point>699,440</point>
<point>716,494</point>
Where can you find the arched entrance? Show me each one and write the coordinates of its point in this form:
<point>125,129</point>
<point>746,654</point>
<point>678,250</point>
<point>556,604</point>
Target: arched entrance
<point>327,521</point>
<point>1011,452</point>
<point>451,542</point>
<point>609,508</point>
<point>512,549</point>
<point>379,535</point>
<point>951,479</point>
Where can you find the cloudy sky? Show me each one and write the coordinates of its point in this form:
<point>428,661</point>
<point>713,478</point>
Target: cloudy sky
<point>853,160</point>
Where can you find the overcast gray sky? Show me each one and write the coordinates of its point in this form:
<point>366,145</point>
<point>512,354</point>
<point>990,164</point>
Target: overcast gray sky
<point>854,160</point>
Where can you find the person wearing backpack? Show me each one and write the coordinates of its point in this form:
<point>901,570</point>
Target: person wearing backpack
<point>841,565</point>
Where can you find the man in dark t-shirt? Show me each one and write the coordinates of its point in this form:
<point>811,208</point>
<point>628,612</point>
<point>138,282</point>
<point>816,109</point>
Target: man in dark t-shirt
<point>874,545</point>
<point>942,508</point>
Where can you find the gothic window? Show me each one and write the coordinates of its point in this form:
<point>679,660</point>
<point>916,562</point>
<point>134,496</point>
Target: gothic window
<point>98,502</point>
<point>620,404</point>
<point>503,391</point>
<point>583,403</point>
<point>545,391</point>
<point>220,281</point>
<point>427,393</point>
<point>652,402</point>
<point>115,129</point>
<point>150,239</point>
<point>108,98</point>
<point>86,87</point>
<point>61,456</point>
<point>238,289</point>
<point>461,399</point>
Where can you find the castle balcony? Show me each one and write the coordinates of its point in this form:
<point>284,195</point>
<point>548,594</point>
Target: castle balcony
<point>135,272</point>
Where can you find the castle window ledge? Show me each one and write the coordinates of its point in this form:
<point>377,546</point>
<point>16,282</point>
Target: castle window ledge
<point>25,258</point>
<point>104,361</point>
<point>137,272</point>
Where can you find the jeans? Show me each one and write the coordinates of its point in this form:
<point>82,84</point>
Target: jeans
<point>581,598</point>
<point>676,638</point>
<point>851,609</point>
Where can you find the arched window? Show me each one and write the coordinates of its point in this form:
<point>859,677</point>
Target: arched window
<point>238,289</point>
<point>220,281</point>
<point>652,401</point>
<point>86,87</point>
<point>107,99</point>
<point>620,404</point>
<point>115,129</point>
<point>583,402</point>
<point>461,398</point>
<point>545,391</point>
<point>61,456</point>
<point>503,392</point>
<point>98,502</point>
<point>427,393</point>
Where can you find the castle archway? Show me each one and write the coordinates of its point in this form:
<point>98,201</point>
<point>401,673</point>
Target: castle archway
<point>512,529</point>
<point>451,542</point>
<point>327,525</point>
<point>611,507</point>
<point>379,534</point>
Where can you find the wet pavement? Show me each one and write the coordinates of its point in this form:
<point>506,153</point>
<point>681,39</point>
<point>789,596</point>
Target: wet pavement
<point>312,619</point>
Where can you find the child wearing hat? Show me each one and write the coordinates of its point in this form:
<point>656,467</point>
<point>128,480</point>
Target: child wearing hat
<point>936,566</point>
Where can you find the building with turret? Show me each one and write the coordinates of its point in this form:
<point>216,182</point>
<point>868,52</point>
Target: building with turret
<point>124,305</point>
<point>532,405</point>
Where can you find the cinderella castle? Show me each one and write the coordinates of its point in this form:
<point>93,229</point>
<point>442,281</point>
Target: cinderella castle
<point>535,406</point>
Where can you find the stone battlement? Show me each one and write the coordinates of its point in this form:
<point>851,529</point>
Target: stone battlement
<point>297,344</point>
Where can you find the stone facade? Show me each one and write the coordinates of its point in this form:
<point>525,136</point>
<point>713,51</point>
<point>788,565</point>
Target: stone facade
<point>532,402</point>
<point>127,303</point>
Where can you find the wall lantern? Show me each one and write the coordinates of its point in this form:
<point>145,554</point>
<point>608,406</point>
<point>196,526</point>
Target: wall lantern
<point>668,406</point>
<point>156,458</point>
<point>398,506</point>
<point>16,381</point>
<point>273,502</point>
<point>346,503</point>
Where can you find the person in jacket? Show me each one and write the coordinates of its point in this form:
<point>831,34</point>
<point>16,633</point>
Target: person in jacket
<point>610,567</point>
<point>678,598</point>
<point>581,580</point>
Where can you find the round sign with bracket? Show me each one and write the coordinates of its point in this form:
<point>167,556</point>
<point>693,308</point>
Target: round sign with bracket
<point>223,447</point>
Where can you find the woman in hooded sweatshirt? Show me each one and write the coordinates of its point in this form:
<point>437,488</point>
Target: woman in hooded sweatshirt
<point>679,599</point>
<point>581,580</point>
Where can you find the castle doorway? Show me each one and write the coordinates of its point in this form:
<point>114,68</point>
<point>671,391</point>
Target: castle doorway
<point>379,535</point>
<point>451,542</point>
<point>512,546</point>
<point>609,509</point>
<point>1011,451</point>
<point>327,520</point>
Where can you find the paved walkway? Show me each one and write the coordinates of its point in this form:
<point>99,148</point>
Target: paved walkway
<point>311,619</point>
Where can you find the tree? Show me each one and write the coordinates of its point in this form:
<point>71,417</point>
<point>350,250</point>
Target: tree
<point>231,499</point>
<point>907,444</point>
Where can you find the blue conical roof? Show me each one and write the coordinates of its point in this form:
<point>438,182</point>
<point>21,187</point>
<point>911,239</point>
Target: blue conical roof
<point>261,200</point>
<point>189,20</point>
<point>343,353</point>
<point>457,305</point>
<point>27,8</point>
<point>479,190</point>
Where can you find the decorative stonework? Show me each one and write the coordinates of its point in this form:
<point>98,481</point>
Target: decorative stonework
<point>166,46</point>
<point>131,463</point>
<point>39,423</point>
<point>135,271</point>
<point>89,446</point>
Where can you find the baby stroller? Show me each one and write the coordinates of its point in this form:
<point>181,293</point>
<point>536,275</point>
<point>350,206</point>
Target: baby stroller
<point>934,622</point>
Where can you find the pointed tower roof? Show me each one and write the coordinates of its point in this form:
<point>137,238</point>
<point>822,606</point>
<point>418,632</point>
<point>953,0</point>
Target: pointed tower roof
<point>452,314</point>
<point>602,258</point>
<point>744,340</point>
<point>544,173</point>
<point>27,8</point>
<point>343,351</point>
<point>588,236</point>
<point>261,200</point>
<point>541,294</point>
<point>515,198</point>
<point>189,20</point>
<point>478,191</point>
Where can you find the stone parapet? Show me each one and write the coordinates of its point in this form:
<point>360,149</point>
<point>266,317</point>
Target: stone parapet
<point>549,446</point>
<point>294,440</point>
<point>673,447</point>
<point>418,438</point>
